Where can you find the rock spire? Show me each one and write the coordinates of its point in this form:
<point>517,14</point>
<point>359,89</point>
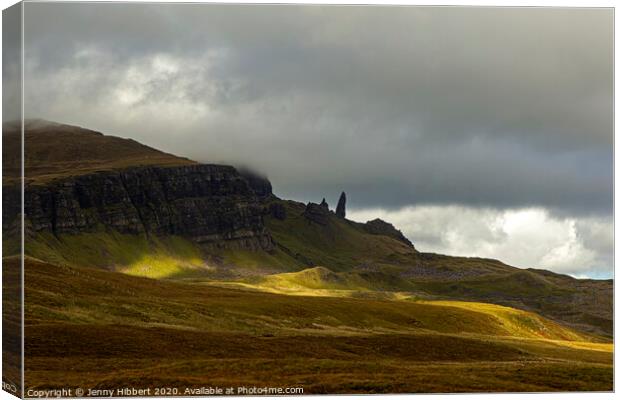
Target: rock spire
<point>341,207</point>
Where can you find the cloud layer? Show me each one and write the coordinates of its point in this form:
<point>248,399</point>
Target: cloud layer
<point>484,108</point>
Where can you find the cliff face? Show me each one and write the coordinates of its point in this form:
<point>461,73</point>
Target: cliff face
<point>209,204</point>
<point>260,185</point>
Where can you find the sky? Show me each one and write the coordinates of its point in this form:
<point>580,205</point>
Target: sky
<point>476,131</point>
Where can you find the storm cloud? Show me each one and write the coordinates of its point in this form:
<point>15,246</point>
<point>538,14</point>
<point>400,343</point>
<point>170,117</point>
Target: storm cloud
<point>483,108</point>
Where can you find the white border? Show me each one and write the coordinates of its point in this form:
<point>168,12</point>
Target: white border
<point>479,3</point>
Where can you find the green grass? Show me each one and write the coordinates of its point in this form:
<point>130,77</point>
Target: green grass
<point>340,245</point>
<point>519,323</point>
<point>354,325</point>
<point>311,278</point>
<point>363,266</point>
<point>257,260</point>
<point>137,255</point>
<point>93,328</point>
<point>84,295</point>
<point>517,284</point>
<point>323,281</point>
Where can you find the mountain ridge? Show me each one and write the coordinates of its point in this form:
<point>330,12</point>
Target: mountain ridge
<point>55,150</point>
<point>238,228</point>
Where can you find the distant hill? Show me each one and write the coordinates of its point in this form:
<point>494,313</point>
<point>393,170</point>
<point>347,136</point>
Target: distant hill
<point>57,150</point>
<point>346,246</point>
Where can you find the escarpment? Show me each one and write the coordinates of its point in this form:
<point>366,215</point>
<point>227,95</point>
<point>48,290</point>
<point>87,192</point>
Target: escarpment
<point>78,180</point>
<point>209,204</point>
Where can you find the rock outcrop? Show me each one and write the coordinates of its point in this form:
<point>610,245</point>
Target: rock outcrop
<point>209,204</point>
<point>341,207</point>
<point>317,213</point>
<point>380,227</point>
<point>324,205</point>
<point>259,184</point>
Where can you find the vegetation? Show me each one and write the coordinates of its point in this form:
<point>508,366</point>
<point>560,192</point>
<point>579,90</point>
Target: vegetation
<point>341,245</point>
<point>103,329</point>
<point>57,150</point>
<point>334,308</point>
<point>151,257</point>
<point>352,263</point>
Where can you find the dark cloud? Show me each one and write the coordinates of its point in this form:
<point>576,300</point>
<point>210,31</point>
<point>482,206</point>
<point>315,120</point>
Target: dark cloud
<point>483,107</point>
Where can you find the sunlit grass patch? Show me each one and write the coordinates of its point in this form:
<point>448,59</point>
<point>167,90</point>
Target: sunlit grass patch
<point>518,322</point>
<point>137,255</point>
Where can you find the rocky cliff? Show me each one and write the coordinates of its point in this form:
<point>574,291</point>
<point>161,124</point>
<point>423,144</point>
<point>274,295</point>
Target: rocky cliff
<point>209,204</point>
<point>380,227</point>
<point>79,180</point>
<point>258,183</point>
<point>317,213</point>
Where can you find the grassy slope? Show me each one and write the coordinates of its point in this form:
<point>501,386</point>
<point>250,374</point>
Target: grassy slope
<point>67,294</point>
<point>322,278</point>
<point>89,327</point>
<point>341,245</point>
<point>583,304</point>
<point>57,150</point>
<point>363,264</point>
<point>132,254</point>
<point>320,281</point>
<point>95,328</point>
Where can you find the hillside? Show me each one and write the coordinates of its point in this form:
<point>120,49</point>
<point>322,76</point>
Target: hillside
<point>57,150</point>
<point>146,267</point>
<point>83,182</point>
<point>86,323</point>
<point>100,201</point>
<point>343,245</point>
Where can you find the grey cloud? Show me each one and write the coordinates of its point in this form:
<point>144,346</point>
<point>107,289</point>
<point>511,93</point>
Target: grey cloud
<point>11,63</point>
<point>396,105</point>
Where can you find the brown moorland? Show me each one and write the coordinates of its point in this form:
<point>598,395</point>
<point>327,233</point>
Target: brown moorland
<point>97,329</point>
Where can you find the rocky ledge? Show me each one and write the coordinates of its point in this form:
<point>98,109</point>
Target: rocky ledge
<point>209,204</point>
<point>380,227</point>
